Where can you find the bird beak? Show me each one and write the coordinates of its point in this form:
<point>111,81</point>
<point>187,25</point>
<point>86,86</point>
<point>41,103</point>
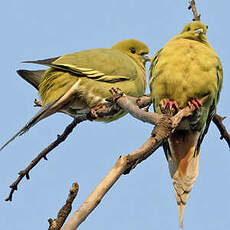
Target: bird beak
<point>146,57</point>
<point>199,31</point>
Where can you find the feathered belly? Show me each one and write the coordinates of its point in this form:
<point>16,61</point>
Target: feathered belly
<point>87,97</point>
<point>188,74</point>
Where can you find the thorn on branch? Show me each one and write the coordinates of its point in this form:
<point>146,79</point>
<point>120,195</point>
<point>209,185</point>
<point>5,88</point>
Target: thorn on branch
<point>37,103</point>
<point>222,118</point>
<point>27,176</point>
<point>21,173</point>
<point>45,158</point>
<point>14,186</point>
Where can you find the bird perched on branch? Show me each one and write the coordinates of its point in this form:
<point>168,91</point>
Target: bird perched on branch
<point>76,82</point>
<point>183,72</point>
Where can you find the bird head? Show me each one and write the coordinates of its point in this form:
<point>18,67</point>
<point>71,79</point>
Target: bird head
<point>195,30</point>
<point>134,49</point>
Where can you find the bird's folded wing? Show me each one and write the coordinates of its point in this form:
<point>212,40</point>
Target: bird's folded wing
<point>107,65</point>
<point>153,64</point>
<point>219,77</point>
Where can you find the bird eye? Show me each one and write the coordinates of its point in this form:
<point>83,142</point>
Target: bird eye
<point>188,29</point>
<point>133,50</point>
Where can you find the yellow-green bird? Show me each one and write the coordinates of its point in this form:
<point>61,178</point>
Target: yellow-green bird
<point>183,72</point>
<point>76,82</point>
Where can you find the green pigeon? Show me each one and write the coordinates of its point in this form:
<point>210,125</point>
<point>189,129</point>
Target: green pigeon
<point>74,83</point>
<point>183,72</point>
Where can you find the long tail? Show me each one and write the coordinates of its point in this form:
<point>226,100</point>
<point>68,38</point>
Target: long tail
<point>42,113</point>
<point>34,78</point>
<point>47,110</point>
<point>182,153</point>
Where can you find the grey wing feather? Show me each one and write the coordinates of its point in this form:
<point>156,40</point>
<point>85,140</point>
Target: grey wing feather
<point>31,76</point>
<point>43,62</point>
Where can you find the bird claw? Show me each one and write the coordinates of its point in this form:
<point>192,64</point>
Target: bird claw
<point>102,110</point>
<point>117,93</point>
<point>171,104</point>
<point>195,102</point>
<point>169,107</point>
<point>95,110</point>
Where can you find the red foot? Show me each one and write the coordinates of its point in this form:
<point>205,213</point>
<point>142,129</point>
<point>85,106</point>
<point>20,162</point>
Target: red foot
<point>171,104</point>
<point>196,102</point>
<point>95,109</point>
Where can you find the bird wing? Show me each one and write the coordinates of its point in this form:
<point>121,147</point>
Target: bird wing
<point>152,76</point>
<point>106,65</point>
<point>212,109</point>
<point>153,64</point>
<point>219,73</point>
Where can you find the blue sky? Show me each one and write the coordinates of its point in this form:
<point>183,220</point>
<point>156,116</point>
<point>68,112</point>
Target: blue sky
<point>144,199</point>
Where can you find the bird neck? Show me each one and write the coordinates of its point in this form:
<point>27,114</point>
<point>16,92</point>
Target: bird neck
<point>201,39</point>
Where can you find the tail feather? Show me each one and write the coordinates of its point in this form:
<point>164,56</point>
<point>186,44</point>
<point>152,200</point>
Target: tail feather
<point>181,209</point>
<point>47,61</point>
<point>42,113</point>
<point>62,102</point>
<point>31,76</point>
<point>183,159</point>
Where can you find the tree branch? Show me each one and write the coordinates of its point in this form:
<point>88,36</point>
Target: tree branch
<point>218,120</point>
<point>33,163</point>
<point>192,6</point>
<point>164,126</point>
<point>65,210</point>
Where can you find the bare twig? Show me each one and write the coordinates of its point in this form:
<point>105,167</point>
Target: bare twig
<point>126,163</point>
<point>218,120</point>
<point>65,210</point>
<point>60,138</point>
<point>192,6</point>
